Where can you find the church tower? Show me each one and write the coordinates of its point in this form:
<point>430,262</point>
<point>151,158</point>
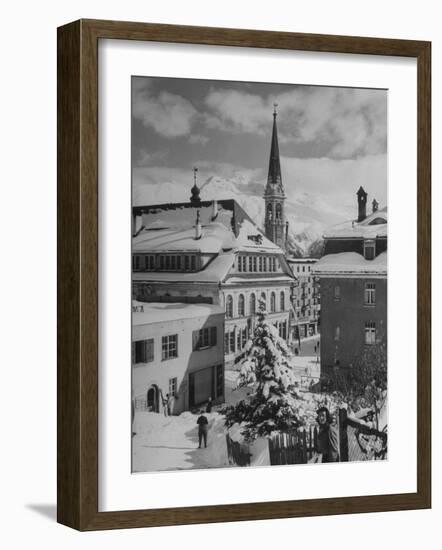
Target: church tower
<point>274,196</point>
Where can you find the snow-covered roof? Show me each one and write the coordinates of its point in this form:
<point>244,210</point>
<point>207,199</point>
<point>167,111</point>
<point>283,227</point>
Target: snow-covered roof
<point>146,313</point>
<point>225,225</point>
<point>374,225</point>
<point>350,262</point>
<point>302,260</point>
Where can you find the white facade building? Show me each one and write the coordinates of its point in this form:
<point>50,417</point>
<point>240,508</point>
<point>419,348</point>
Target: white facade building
<point>306,298</point>
<point>177,350</point>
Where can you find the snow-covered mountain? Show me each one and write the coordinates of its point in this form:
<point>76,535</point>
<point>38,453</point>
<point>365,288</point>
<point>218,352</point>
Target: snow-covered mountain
<point>308,215</point>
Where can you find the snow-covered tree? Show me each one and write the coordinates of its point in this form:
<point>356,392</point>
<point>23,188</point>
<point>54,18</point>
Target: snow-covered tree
<point>273,404</point>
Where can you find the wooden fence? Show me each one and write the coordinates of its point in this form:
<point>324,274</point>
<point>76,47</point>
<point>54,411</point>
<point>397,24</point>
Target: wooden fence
<point>296,447</point>
<point>239,453</point>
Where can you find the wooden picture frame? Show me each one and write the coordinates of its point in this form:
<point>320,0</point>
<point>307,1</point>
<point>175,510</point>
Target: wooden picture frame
<point>77,460</point>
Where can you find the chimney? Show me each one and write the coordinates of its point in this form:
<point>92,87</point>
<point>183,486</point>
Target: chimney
<point>375,205</point>
<point>362,204</point>
<point>198,228</point>
<point>214,209</point>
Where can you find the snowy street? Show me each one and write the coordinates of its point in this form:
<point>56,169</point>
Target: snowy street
<point>178,435</point>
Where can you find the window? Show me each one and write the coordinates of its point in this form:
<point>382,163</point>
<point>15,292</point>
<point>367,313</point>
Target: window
<point>369,249</point>
<point>232,341</point>
<point>260,264</point>
<point>241,306</point>
<point>274,264</point>
<point>278,211</point>
<point>172,386</point>
<point>303,268</point>
<point>252,304</point>
<point>135,263</point>
<point>370,294</point>
<point>229,307</point>
<point>272,302</point>
<point>187,263</point>
<point>264,299</point>
<point>193,263</point>
<point>250,263</point>
<point>264,263</point>
<point>337,293</point>
<point>244,263</point>
<point>337,333</point>
<point>244,337</point>
<point>143,351</point>
<point>297,269</point>
<point>238,339</point>
<point>226,343</point>
<point>169,346</point>
<point>204,338</point>
<point>282,300</point>
<point>178,262</point>
<point>255,263</point>
<point>370,332</point>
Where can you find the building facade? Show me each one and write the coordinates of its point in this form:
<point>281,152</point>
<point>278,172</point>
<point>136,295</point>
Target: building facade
<point>212,253</point>
<point>177,352</point>
<point>306,299</point>
<point>353,283</point>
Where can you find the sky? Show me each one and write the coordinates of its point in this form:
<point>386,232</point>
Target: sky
<point>332,140</point>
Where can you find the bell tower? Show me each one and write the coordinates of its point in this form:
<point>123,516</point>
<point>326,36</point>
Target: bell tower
<point>274,195</point>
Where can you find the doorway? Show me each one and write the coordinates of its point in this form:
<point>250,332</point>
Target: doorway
<point>153,401</point>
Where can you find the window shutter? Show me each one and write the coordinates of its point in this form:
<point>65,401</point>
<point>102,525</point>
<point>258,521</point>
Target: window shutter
<point>195,337</point>
<point>213,336</point>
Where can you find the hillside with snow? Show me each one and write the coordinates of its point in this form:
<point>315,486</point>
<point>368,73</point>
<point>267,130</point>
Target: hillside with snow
<point>308,215</point>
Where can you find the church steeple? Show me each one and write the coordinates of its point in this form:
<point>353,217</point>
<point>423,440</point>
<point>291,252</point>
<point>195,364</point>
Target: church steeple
<point>274,195</point>
<point>274,179</point>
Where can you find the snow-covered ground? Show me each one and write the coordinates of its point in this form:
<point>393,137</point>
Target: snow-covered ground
<point>171,443</point>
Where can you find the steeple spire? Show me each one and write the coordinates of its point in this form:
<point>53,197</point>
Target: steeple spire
<point>274,195</point>
<point>274,179</point>
<point>195,196</point>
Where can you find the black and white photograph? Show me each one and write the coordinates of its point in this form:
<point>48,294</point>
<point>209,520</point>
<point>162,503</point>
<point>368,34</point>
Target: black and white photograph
<point>259,274</point>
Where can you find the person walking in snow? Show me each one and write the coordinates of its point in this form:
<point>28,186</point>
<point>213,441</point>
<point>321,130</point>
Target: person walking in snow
<point>203,428</point>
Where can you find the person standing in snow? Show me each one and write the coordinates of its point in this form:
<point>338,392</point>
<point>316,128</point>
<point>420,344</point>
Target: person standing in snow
<point>209,405</point>
<point>328,440</point>
<point>203,428</point>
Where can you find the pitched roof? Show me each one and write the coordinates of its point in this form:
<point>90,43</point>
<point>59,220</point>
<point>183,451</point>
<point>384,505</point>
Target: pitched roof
<point>225,226</point>
<point>350,263</point>
<point>374,225</point>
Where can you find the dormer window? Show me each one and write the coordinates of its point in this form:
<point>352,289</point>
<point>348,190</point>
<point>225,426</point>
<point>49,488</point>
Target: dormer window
<point>369,249</point>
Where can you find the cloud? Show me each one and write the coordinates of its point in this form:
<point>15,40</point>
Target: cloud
<point>170,115</point>
<point>198,139</point>
<point>344,122</point>
<point>334,182</point>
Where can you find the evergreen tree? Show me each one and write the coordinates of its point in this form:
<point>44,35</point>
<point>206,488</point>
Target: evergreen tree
<point>273,405</point>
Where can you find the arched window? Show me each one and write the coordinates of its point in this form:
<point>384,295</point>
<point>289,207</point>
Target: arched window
<point>264,299</point>
<point>272,302</point>
<point>278,211</point>
<point>269,212</point>
<point>229,307</point>
<point>252,304</point>
<point>282,300</point>
<point>241,306</point>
